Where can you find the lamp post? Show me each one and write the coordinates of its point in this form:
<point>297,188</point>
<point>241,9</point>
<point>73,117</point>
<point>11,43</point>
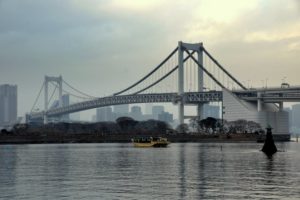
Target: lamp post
<point>283,79</point>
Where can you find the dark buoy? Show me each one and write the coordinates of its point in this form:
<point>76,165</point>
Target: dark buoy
<point>269,147</point>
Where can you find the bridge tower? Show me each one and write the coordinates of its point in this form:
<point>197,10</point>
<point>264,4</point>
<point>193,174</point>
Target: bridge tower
<point>59,81</point>
<point>197,47</point>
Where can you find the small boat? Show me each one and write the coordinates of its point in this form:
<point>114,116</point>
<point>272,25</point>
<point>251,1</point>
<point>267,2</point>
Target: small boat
<point>150,142</point>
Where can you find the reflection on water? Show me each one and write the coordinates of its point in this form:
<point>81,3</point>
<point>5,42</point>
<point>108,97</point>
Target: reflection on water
<point>119,171</point>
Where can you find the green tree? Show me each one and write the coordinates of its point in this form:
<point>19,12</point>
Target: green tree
<point>182,128</point>
<point>126,124</point>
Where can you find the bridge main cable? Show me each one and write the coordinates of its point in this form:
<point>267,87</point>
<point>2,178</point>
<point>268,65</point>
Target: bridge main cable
<point>84,94</point>
<point>165,76</point>
<point>74,95</point>
<point>207,72</point>
<point>145,77</point>
<point>223,69</point>
<point>37,98</point>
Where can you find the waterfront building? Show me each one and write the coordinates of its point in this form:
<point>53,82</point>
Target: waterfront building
<point>156,110</point>
<point>55,104</point>
<point>211,111</point>
<point>104,114</point>
<point>65,102</point>
<point>147,116</point>
<point>94,118</point>
<point>75,117</point>
<point>166,117</point>
<point>8,104</point>
<point>148,108</point>
<point>121,110</point>
<point>136,113</point>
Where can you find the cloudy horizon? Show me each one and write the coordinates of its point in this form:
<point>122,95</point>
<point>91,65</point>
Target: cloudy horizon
<point>89,42</point>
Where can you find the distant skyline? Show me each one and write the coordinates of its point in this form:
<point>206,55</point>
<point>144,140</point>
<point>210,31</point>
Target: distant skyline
<point>100,46</point>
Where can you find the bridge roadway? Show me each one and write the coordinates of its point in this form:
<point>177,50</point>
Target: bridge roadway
<point>189,98</point>
<point>268,95</point>
<point>271,94</point>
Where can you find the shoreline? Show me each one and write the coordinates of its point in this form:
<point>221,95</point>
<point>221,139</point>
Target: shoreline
<point>63,138</point>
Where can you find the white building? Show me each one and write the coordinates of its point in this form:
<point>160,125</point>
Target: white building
<point>270,114</point>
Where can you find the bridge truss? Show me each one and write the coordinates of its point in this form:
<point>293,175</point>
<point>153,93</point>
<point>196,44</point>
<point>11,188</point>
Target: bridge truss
<point>180,78</point>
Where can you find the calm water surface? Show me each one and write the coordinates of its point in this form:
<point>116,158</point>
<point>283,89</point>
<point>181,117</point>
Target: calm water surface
<point>119,171</point>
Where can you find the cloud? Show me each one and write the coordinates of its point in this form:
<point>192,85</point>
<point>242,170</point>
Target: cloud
<point>262,41</point>
<point>91,41</point>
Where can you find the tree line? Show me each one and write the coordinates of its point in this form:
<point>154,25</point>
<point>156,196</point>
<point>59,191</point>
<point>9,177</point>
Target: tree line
<point>127,125</point>
<point>213,125</point>
<point>123,125</point>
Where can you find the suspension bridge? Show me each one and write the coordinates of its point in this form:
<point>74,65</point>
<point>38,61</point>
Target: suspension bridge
<point>189,75</point>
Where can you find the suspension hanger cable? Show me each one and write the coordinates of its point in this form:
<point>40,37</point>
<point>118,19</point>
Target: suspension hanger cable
<point>145,77</point>
<point>53,91</point>
<point>74,95</point>
<point>84,94</point>
<point>38,96</point>
<point>205,70</point>
<point>223,69</point>
<point>166,75</point>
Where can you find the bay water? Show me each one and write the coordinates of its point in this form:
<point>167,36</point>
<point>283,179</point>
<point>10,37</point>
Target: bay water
<point>120,171</point>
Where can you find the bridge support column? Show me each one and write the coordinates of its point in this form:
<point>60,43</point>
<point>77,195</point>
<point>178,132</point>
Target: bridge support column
<point>280,106</point>
<point>259,102</point>
<point>180,83</point>
<point>197,47</point>
<point>46,100</point>
<point>200,107</point>
<point>45,119</point>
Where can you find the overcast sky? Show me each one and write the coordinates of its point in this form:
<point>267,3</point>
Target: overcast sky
<point>99,46</point>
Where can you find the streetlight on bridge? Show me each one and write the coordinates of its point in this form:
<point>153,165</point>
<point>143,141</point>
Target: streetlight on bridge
<point>262,83</point>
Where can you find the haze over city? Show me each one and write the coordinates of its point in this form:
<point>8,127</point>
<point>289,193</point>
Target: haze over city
<point>101,46</point>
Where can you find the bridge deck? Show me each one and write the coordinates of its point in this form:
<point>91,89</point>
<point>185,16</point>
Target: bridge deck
<point>189,98</point>
<point>291,94</point>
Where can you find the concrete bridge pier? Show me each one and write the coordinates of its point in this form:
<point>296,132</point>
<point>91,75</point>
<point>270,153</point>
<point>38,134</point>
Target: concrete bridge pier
<point>180,83</point>
<point>200,107</point>
<point>259,102</point>
<point>280,106</point>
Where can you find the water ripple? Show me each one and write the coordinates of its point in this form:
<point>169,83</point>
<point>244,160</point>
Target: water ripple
<point>119,171</point>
